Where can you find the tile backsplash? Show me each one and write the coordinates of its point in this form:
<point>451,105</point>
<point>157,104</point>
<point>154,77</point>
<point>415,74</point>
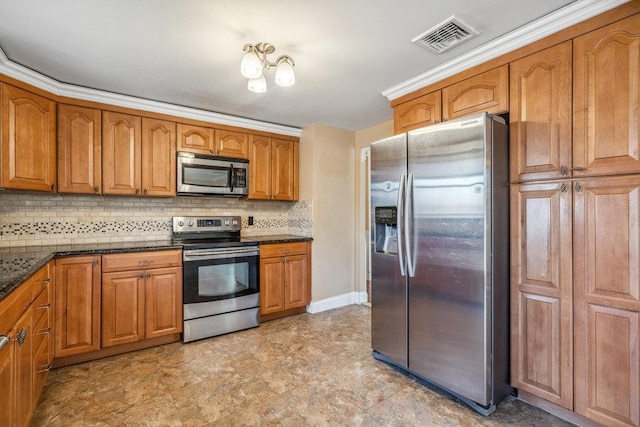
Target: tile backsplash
<point>43,219</point>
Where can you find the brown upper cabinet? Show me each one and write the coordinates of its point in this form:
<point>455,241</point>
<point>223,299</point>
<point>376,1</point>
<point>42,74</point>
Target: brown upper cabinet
<point>422,111</point>
<point>273,169</point>
<point>79,150</point>
<point>138,155</point>
<point>540,115</point>
<point>488,92</point>
<point>606,100</point>
<point>28,132</point>
<point>213,142</point>
<point>158,158</point>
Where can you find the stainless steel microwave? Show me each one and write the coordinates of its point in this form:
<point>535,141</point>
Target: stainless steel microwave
<point>209,175</point>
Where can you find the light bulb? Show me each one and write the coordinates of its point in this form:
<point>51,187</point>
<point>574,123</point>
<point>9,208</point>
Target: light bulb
<point>251,67</point>
<point>257,85</point>
<point>284,73</point>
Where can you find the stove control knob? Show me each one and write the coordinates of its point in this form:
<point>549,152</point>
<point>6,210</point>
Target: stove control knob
<point>235,222</point>
<point>190,223</point>
<point>181,223</point>
<point>226,222</point>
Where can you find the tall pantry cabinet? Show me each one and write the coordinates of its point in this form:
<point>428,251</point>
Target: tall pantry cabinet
<point>575,221</point>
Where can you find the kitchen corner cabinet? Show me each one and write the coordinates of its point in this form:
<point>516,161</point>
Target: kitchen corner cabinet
<point>273,169</point>
<point>488,92</point>
<point>212,142</point>
<point>77,303</point>
<point>26,359</point>
<point>141,296</point>
<point>28,140</point>
<point>285,277</point>
<point>422,111</point>
<point>79,150</point>
<point>540,115</point>
<point>606,100</point>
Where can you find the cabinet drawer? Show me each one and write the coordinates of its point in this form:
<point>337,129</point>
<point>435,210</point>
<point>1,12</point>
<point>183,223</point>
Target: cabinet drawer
<point>41,279</point>
<point>41,331</point>
<point>283,249</point>
<point>42,306</point>
<point>12,307</point>
<point>141,260</point>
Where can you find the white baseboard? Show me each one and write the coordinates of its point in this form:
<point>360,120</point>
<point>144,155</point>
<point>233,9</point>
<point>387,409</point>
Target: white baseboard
<point>337,302</point>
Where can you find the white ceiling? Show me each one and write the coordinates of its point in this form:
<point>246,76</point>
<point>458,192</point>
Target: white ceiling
<point>188,53</point>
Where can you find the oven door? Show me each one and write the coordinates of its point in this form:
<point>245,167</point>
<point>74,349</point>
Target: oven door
<point>219,274</point>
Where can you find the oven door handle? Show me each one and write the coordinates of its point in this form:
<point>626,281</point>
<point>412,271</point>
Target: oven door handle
<point>202,255</point>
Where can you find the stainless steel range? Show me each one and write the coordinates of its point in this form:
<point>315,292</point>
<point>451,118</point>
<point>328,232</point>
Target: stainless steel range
<point>220,276</point>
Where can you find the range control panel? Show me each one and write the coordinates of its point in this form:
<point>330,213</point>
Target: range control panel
<point>195,224</point>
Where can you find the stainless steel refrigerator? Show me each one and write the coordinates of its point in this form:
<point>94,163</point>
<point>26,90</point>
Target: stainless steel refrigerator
<point>440,256</point>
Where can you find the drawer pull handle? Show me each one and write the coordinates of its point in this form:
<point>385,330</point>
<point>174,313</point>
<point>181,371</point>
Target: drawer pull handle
<point>144,262</point>
<point>43,370</point>
<point>44,331</point>
<point>44,306</point>
<point>44,282</point>
<point>22,336</point>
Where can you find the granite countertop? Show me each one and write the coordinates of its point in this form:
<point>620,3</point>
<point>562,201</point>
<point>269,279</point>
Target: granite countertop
<point>17,264</point>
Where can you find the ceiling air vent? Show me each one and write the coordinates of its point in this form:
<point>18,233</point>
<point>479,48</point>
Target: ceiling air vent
<point>445,35</point>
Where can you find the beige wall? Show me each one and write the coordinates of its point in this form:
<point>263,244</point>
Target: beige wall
<point>364,138</point>
<point>327,157</point>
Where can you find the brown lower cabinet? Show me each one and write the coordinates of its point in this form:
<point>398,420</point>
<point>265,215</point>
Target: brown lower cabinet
<point>285,278</point>
<point>26,359</point>
<point>576,296</point>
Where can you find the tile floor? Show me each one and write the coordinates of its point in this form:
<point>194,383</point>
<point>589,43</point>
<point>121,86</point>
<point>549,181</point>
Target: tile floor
<point>298,371</point>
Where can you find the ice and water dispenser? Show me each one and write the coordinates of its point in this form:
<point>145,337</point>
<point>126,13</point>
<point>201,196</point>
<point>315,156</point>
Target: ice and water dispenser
<point>386,231</point>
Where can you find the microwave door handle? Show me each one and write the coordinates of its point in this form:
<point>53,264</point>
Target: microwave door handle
<point>231,181</point>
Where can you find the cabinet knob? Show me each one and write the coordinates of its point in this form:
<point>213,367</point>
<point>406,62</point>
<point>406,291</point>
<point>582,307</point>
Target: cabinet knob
<point>563,170</point>
<point>22,336</point>
<point>96,189</point>
<point>563,187</point>
<point>578,187</point>
<point>95,261</point>
<point>54,187</point>
<point>148,274</point>
<point>137,191</point>
<point>144,191</point>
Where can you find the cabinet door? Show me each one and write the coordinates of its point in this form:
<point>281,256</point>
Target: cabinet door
<point>7,385</point>
<point>79,150</point>
<point>488,91</point>
<point>284,169</point>
<point>23,368</point>
<point>121,148</point>
<point>606,120</point>
<point>259,167</point>
<point>541,291</point>
<point>195,139</point>
<point>272,279</point>
<point>232,144</point>
<point>296,292</point>
<point>158,158</point>
<point>540,115</point>
<point>77,305</point>
<point>122,307</point>
<point>607,299</point>
<point>423,111</point>
<point>163,300</point>
<point>28,136</point>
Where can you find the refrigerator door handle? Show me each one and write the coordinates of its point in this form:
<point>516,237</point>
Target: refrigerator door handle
<point>408,228</point>
<point>400,204</point>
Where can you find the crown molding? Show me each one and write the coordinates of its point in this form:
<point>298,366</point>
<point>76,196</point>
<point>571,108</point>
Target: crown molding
<point>562,18</point>
<point>33,78</point>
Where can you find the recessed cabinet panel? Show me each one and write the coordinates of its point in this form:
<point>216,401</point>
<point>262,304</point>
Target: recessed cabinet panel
<point>121,151</point>
<point>541,291</point>
<point>540,115</point>
<point>422,111</point>
<point>232,144</point>
<point>195,139</point>
<point>284,169</point>
<point>606,123</point>
<point>488,92</point>
<point>28,136</point>
<point>259,167</point>
<point>163,302</point>
<point>122,307</point>
<point>79,150</point>
<point>158,157</point>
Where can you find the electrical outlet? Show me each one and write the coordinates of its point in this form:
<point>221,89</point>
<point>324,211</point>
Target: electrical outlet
<point>250,220</point>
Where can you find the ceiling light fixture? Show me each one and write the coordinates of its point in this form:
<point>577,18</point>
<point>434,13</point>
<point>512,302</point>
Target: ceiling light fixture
<point>255,63</point>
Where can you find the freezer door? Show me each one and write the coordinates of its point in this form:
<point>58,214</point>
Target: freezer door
<point>449,318</point>
<point>388,283</point>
